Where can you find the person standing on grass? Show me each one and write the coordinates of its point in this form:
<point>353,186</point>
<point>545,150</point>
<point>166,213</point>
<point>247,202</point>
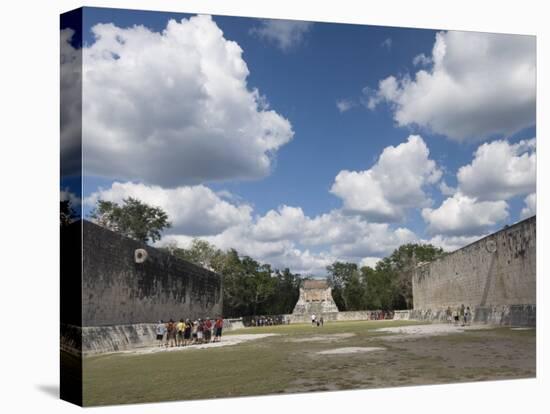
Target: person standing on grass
<point>467,316</point>
<point>161,329</point>
<point>200,331</point>
<point>170,333</point>
<point>456,316</point>
<point>218,326</point>
<point>180,327</point>
<point>462,313</point>
<point>194,331</point>
<point>187,332</point>
<point>208,330</point>
<point>449,314</point>
<point>322,321</point>
<point>313,317</point>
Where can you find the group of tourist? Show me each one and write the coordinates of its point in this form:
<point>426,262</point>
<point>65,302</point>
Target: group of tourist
<point>269,320</point>
<point>187,332</point>
<point>461,315</point>
<point>317,321</point>
<point>380,315</point>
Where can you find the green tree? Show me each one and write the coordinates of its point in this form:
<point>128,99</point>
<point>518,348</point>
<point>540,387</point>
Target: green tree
<point>133,219</point>
<point>355,292</point>
<point>399,267</point>
<point>67,214</point>
<point>234,289</point>
<point>380,289</point>
<point>200,253</point>
<point>285,294</point>
<point>388,286</point>
<point>248,285</point>
<point>261,284</point>
<point>348,290</point>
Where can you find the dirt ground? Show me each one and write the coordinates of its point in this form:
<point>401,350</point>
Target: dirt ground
<point>423,354</point>
<point>302,358</point>
<point>229,340</point>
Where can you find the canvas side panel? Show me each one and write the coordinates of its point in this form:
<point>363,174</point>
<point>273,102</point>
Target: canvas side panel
<point>71,206</point>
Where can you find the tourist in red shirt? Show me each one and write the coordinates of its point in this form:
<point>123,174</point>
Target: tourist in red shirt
<point>218,326</point>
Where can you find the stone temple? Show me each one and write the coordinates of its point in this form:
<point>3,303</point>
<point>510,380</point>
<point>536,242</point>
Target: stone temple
<point>315,299</point>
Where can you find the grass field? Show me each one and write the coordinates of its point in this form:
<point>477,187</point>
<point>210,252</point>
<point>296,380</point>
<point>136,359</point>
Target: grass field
<point>288,362</point>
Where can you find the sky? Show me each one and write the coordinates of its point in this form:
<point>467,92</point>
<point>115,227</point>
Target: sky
<point>302,143</point>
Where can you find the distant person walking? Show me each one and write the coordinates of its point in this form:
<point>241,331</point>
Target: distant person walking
<point>462,313</point>
<point>161,330</point>
<point>456,316</point>
<point>313,319</point>
<point>322,321</point>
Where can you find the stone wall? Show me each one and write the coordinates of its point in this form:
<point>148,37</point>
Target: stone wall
<point>493,276</point>
<point>118,291</point>
<point>508,315</point>
<point>333,316</point>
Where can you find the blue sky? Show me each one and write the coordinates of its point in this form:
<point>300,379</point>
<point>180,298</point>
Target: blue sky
<point>340,95</point>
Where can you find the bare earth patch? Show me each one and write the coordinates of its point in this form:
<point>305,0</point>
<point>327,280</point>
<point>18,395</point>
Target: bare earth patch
<point>351,350</point>
<point>226,341</point>
<point>421,331</point>
<point>323,338</point>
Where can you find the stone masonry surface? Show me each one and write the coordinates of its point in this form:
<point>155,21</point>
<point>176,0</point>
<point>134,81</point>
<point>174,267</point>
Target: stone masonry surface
<point>498,271</point>
<point>118,291</point>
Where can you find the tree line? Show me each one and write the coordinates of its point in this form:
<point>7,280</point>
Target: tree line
<point>386,286</point>
<point>254,288</point>
<point>249,287</point>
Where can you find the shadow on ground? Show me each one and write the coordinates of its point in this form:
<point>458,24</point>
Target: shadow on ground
<point>49,389</point>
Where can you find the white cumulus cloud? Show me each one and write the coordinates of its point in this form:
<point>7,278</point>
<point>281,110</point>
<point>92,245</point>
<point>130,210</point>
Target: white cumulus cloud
<point>387,43</point>
<point>446,189</point>
<point>279,253</point>
<point>500,170</point>
<point>173,107</point>
<point>345,105</point>
<point>479,85</point>
<point>422,60</point>
<point>452,243</point>
<point>378,240</point>
<point>192,210</point>
<point>285,34</point>
<point>287,237</point>
<point>345,235</point>
<point>461,215</point>
<point>74,200</point>
<point>287,222</point>
<point>369,261</point>
<point>396,182</point>
<point>530,208</point>
<point>71,106</point>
